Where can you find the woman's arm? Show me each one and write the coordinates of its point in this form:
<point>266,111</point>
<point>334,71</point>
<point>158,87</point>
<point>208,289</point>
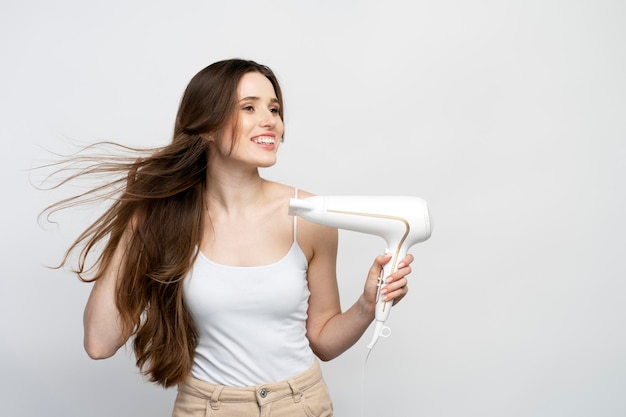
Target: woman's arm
<point>329,330</point>
<point>103,334</point>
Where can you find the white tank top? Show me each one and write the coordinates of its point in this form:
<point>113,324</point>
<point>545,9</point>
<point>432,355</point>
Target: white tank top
<point>251,321</point>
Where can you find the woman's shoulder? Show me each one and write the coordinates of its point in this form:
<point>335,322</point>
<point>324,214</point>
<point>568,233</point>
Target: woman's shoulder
<point>281,190</point>
<point>313,238</point>
<point>312,233</point>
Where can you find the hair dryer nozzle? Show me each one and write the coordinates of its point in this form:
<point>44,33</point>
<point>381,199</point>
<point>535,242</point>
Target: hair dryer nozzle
<point>297,205</point>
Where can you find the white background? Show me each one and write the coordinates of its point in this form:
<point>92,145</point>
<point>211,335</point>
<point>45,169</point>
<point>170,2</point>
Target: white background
<point>508,117</point>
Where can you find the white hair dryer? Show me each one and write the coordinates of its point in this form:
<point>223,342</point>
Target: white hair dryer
<point>401,221</point>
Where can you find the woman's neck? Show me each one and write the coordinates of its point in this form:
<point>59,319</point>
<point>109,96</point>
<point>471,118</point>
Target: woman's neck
<point>234,190</point>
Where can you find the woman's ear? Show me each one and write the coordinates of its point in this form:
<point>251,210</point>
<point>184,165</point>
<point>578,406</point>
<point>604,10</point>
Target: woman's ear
<point>209,137</point>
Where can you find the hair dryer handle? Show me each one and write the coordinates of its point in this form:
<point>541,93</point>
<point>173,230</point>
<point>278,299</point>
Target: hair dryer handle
<point>383,308</point>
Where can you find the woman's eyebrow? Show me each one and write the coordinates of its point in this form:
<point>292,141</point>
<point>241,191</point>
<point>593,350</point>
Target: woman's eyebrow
<point>255,98</point>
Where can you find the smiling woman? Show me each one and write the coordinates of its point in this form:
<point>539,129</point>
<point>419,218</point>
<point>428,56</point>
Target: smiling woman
<point>221,291</point>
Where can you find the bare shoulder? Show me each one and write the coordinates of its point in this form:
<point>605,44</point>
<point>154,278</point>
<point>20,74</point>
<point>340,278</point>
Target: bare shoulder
<point>284,191</point>
<point>304,194</point>
<point>314,239</point>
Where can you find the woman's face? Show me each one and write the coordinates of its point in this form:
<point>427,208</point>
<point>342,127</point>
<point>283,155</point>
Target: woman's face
<point>257,126</point>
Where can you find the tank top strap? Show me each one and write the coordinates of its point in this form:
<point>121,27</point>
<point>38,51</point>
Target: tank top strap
<point>295,220</point>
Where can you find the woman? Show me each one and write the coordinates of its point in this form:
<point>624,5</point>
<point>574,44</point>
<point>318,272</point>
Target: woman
<point>223,293</point>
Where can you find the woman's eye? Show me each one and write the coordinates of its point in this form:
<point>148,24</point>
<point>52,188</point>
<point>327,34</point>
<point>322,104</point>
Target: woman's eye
<point>274,111</point>
<point>248,108</point>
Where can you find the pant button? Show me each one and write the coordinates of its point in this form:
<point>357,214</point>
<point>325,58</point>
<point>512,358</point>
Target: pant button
<point>263,393</point>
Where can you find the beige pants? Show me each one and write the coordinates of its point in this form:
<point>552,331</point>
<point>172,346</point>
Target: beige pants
<point>305,395</point>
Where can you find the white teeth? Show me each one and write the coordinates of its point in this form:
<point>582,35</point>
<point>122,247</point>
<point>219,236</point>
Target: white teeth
<point>265,140</point>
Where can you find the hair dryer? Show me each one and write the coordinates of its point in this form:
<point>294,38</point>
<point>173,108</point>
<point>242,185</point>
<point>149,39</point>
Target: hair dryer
<point>401,221</point>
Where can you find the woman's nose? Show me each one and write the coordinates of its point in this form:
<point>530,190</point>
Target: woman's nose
<point>268,119</point>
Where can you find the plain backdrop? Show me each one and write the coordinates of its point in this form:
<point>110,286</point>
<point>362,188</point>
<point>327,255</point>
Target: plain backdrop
<point>508,117</point>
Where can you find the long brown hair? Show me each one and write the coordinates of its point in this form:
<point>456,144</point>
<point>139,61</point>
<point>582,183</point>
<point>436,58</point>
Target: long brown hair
<point>157,212</point>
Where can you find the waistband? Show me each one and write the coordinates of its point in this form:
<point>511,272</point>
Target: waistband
<point>260,394</point>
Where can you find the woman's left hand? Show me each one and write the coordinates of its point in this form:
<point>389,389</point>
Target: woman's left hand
<point>397,283</point>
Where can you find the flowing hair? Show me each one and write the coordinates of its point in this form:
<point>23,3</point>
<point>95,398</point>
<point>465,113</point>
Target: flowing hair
<point>157,216</point>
